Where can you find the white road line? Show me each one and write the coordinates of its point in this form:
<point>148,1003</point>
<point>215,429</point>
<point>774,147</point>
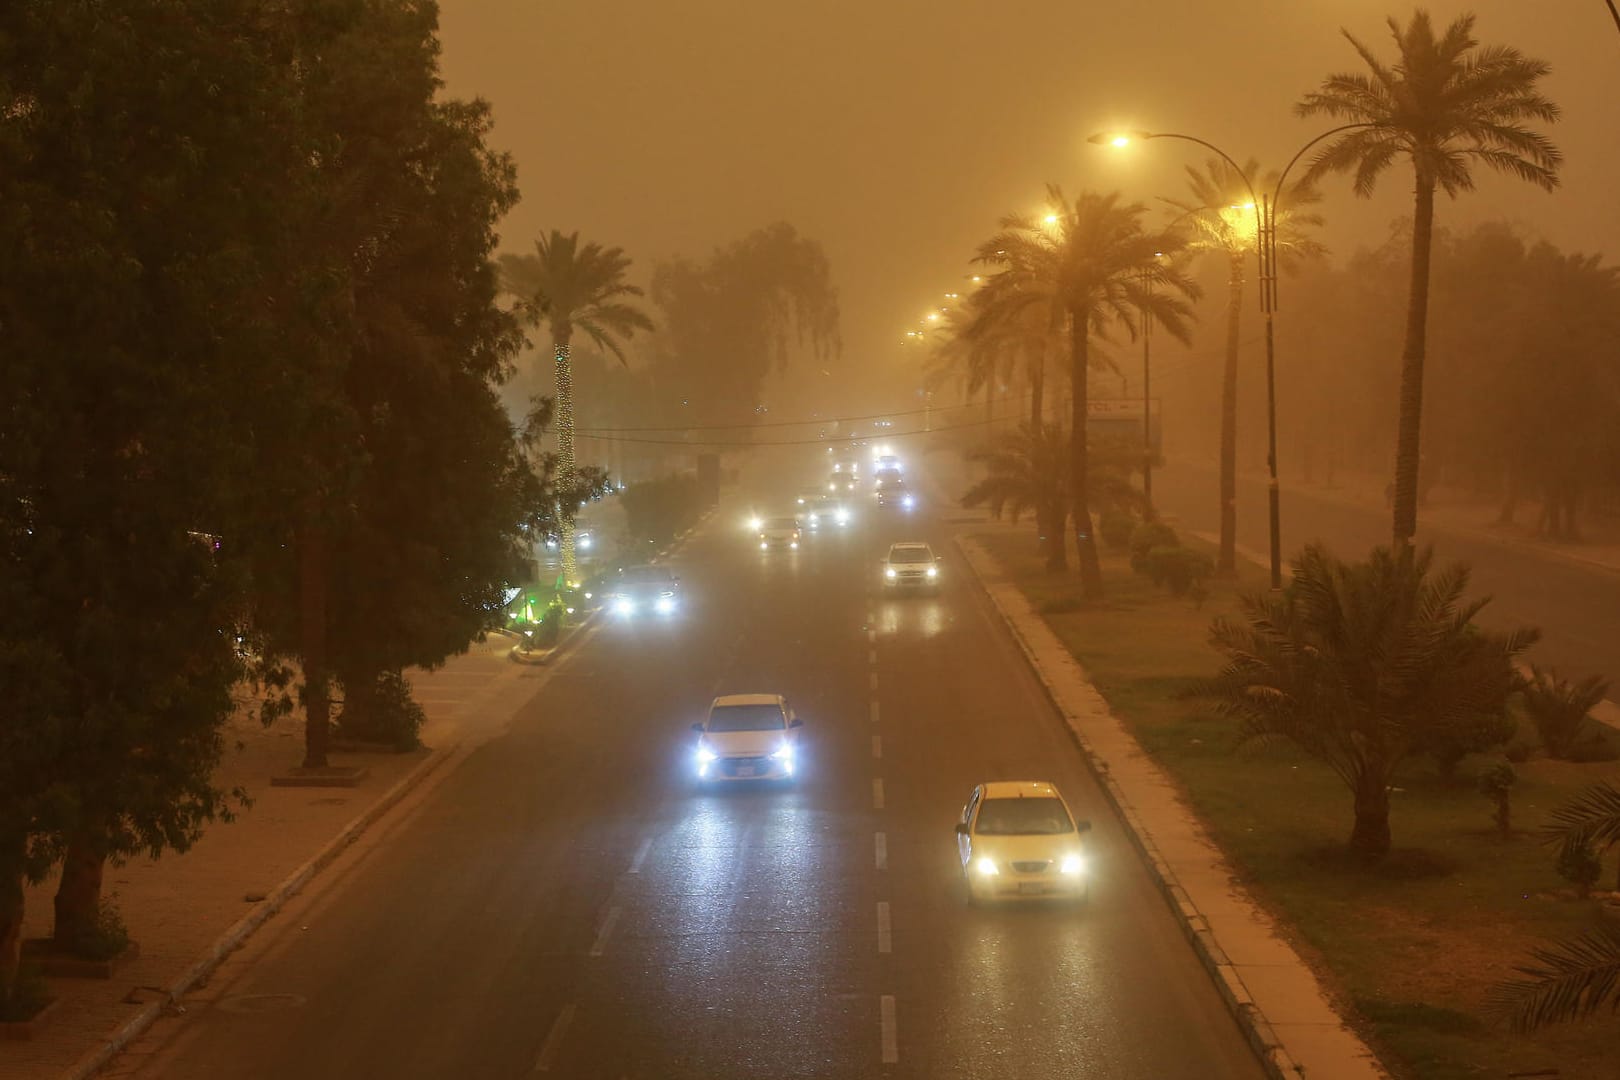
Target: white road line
<point>871,656</point>
<point>600,945</point>
<point>871,635</point>
<point>891,1046</point>
<point>641,856</point>
<point>553,1044</point>
<point>877,746</point>
<point>877,794</point>
<point>880,847</point>
<point>872,682</point>
<point>885,941</point>
<point>874,712</point>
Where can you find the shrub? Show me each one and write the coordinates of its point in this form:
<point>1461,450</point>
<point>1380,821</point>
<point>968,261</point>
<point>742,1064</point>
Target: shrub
<point>1147,536</point>
<point>1178,568</point>
<point>1579,865</point>
<point>106,937</point>
<point>383,712</point>
<point>1470,733</point>
<point>1116,528</point>
<point>1561,709</point>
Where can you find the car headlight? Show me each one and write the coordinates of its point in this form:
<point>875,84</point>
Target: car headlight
<point>985,866</point>
<point>763,544</point>
<point>843,517</point>
<point>832,487</point>
<point>1072,864</point>
<point>755,524</point>
<point>783,752</point>
<point>933,571</point>
<point>793,543</point>
<point>664,605</point>
<point>907,502</point>
<point>584,541</point>
<point>623,605</point>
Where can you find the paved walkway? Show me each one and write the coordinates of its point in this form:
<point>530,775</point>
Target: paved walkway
<point>179,905</point>
<point>1271,990</point>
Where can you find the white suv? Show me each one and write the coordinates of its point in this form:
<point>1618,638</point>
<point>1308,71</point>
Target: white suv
<point>912,565</point>
<point>748,737</point>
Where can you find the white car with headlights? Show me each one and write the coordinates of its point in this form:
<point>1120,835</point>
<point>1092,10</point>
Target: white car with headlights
<point>1018,838</point>
<point>911,565</point>
<point>779,532</point>
<point>643,590</point>
<point>747,737</point>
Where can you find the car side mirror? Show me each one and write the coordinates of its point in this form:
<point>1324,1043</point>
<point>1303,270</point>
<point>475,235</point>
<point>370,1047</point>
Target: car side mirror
<point>699,727</point>
<point>796,722</point>
<point>961,828</point>
<point>1082,826</point>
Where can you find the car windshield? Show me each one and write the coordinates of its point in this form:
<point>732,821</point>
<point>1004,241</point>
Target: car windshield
<point>1023,817</point>
<point>746,718</point>
<point>911,555</point>
<point>646,575</point>
<point>781,523</point>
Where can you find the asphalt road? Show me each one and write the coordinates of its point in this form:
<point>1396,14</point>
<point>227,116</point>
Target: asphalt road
<point>1576,607</point>
<point>566,903</point>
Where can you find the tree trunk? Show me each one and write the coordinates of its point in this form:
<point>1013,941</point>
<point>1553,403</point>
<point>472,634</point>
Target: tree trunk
<point>1227,562</point>
<point>1051,520</point>
<point>359,717</point>
<point>565,448</point>
<point>78,896</point>
<point>1085,543</point>
<point>1037,392</point>
<point>1370,836</point>
<point>1410,427</point>
<point>312,589</point>
<point>11,916</point>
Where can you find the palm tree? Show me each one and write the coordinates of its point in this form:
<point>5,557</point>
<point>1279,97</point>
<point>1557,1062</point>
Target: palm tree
<point>1028,470</point>
<point>1095,263</point>
<point>570,287</point>
<point>1224,223</point>
<point>1444,104</point>
<point>1362,665</point>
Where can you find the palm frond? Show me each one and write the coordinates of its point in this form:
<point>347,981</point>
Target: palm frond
<point>1566,981</point>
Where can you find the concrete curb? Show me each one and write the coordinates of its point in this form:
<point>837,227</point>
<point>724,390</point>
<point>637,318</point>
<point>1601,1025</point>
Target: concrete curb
<point>1256,1028</point>
<point>245,927</point>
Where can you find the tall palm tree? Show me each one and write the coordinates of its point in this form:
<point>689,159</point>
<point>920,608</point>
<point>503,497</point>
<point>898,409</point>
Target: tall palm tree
<point>568,286</point>
<point>1095,261</point>
<point>1028,470</point>
<point>1223,222</point>
<point>1444,104</point>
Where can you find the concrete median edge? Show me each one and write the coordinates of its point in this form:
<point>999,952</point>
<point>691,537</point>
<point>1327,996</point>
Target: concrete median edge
<point>233,938</point>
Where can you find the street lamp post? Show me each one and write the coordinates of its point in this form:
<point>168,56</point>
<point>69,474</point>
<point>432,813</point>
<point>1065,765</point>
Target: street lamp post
<point>1265,208</point>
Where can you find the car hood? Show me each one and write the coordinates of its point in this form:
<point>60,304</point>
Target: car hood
<point>1027,848</point>
<point>743,743</point>
<point>645,591</point>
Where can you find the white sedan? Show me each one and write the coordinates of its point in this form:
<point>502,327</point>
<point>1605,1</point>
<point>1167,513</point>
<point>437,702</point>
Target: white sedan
<point>1018,838</point>
<point>748,737</point>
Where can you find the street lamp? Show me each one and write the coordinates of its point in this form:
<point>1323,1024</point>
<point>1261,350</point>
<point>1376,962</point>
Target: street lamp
<point>1265,208</point>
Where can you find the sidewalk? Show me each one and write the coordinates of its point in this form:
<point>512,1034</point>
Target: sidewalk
<point>1272,993</point>
<point>179,906</point>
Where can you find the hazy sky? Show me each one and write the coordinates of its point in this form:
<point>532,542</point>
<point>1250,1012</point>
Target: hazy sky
<point>897,131</point>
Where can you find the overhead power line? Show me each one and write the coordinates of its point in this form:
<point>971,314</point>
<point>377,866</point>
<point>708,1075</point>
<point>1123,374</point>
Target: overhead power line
<point>885,437</point>
<point>800,423</point>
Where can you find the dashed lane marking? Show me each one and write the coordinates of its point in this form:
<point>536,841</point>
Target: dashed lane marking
<point>874,712</point>
<point>891,1044</point>
<point>877,794</point>
<point>600,945</point>
<point>880,850</point>
<point>641,856</point>
<point>872,680</point>
<point>553,1044</point>
<point>885,936</point>
<point>877,746</point>
<point>871,656</point>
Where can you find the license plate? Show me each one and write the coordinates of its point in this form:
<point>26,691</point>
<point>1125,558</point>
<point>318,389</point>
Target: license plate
<point>745,770</point>
<point>1031,887</point>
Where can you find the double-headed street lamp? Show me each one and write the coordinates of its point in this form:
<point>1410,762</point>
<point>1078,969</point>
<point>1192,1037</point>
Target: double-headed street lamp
<point>1265,209</point>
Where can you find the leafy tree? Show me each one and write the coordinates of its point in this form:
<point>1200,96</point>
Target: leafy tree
<point>1098,265</point>
<point>1222,215</point>
<point>137,304</point>
<point>1445,103</point>
<point>1496,784</point>
<point>568,286</point>
<point>1362,665</point>
<point>1028,470</point>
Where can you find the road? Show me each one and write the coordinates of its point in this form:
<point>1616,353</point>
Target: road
<point>1576,607</point>
<point>566,903</point>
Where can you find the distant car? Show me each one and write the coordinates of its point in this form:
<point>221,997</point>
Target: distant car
<point>1018,838</point>
<point>841,483</point>
<point>779,532</point>
<point>896,494</point>
<point>911,565</point>
<point>643,590</point>
<point>889,461</point>
<point>812,507</point>
<point>886,476</point>
<point>836,512</point>
<point>748,737</point>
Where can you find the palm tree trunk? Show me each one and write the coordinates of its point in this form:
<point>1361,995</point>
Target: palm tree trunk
<point>1370,836</point>
<point>565,450</point>
<point>1085,543</point>
<point>312,593</point>
<point>1037,392</point>
<point>1408,435</point>
<point>1227,563</point>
